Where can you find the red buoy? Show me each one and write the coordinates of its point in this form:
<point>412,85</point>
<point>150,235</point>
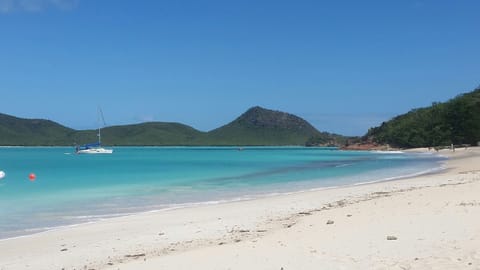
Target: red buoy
<point>32,177</point>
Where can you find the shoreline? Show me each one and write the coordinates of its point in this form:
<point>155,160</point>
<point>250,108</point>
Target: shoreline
<point>165,238</point>
<point>248,197</point>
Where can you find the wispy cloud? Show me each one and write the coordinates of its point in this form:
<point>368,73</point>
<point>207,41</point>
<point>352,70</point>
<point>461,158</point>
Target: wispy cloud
<point>8,6</point>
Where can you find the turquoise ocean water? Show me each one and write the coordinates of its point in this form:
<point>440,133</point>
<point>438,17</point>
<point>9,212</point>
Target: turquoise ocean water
<point>71,189</point>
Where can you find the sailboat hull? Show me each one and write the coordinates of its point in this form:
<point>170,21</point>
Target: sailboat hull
<point>95,151</point>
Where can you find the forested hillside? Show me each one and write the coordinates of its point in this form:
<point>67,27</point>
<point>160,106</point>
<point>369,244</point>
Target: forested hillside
<point>30,132</point>
<point>456,121</point>
<point>260,126</point>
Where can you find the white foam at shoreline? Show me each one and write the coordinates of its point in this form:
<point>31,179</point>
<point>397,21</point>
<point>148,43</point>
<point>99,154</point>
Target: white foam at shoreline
<point>387,152</point>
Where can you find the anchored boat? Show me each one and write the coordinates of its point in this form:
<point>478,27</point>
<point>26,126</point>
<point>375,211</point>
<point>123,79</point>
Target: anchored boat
<point>94,148</point>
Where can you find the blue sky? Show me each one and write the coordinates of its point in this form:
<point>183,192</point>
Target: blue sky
<point>344,66</point>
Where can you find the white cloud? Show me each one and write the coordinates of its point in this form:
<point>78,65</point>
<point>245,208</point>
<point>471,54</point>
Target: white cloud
<point>8,6</point>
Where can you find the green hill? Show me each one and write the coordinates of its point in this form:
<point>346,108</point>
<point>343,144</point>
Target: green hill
<point>152,133</point>
<point>19,131</point>
<point>456,121</point>
<point>257,126</point>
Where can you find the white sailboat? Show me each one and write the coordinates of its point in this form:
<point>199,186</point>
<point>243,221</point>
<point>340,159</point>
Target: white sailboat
<point>94,148</point>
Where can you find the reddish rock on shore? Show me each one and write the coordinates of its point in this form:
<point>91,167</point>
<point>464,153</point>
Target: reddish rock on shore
<point>367,146</point>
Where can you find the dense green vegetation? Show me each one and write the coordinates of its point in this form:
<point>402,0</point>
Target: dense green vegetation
<point>152,133</point>
<point>28,132</point>
<point>329,139</point>
<point>454,122</point>
<point>257,126</point>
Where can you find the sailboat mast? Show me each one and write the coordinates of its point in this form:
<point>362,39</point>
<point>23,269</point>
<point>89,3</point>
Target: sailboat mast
<point>101,120</point>
<point>99,136</point>
<point>99,126</point>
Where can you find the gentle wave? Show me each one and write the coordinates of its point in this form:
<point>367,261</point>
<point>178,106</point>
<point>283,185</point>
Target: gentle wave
<point>405,176</point>
<point>343,165</point>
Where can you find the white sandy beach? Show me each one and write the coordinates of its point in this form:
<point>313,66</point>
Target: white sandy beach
<point>433,219</point>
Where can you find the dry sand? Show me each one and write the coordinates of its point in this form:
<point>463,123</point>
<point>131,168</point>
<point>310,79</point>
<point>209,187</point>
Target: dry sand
<point>433,222</point>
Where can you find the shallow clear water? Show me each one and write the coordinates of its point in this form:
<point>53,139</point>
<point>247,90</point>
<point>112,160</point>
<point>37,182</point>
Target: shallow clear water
<point>71,189</point>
